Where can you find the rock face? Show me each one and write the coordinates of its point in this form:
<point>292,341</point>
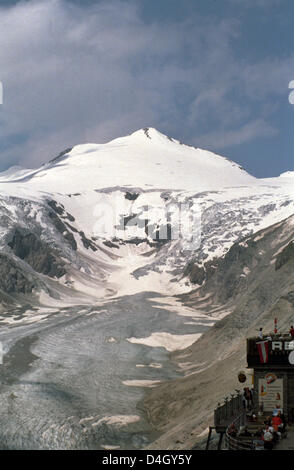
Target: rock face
<point>12,279</point>
<point>286,256</point>
<point>37,254</point>
<point>40,247</point>
<point>61,226</point>
<point>254,282</point>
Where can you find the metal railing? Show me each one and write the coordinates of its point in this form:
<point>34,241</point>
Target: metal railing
<point>242,442</point>
<point>233,412</point>
<point>236,443</point>
<point>230,409</point>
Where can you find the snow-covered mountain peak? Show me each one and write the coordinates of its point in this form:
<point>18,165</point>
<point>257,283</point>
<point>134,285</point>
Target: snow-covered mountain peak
<point>152,134</point>
<point>145,159</point>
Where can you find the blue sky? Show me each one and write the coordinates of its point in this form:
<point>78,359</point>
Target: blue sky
<point>211,73</point>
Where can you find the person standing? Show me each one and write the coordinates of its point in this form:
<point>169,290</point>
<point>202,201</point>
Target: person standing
<point>248,398</point>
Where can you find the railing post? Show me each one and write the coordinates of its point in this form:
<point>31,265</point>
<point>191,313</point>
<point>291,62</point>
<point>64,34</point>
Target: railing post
<point>231,407</point>
<point>226,407</point>
<point>243,418</point>
<point>233,404</point>
<point>217,415</point>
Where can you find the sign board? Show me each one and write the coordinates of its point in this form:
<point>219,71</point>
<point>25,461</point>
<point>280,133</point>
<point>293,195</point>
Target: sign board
<point>270,352</point>
<point>270,392</point>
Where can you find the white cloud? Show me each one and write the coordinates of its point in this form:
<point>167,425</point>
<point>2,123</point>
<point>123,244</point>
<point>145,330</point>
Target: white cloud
<point>74,73</point>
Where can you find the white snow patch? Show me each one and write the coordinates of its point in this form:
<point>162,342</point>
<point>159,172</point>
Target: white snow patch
<point>117,420</point>
<point>141,383</point>
<point>110,447</point>
<point>111,340</point>
<point>167,340</point>
<point>153,365</point>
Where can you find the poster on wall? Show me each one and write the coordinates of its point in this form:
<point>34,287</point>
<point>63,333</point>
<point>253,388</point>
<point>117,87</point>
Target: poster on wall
<point>270,392</point>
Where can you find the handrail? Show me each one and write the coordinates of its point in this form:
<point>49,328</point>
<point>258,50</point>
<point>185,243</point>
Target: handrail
<point>233,443</point>
<point>229,409</point>
<point>233,411</point>
<point>236,443</point>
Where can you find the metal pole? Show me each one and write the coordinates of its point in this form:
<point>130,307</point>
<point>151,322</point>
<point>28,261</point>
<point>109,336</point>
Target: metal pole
<point>226,407</point>
<point>208,438</point>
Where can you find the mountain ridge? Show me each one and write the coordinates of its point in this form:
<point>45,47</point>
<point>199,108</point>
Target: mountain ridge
<point>145,157</point>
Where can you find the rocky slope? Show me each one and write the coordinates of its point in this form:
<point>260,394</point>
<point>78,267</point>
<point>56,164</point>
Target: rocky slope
<point>255,282</point>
